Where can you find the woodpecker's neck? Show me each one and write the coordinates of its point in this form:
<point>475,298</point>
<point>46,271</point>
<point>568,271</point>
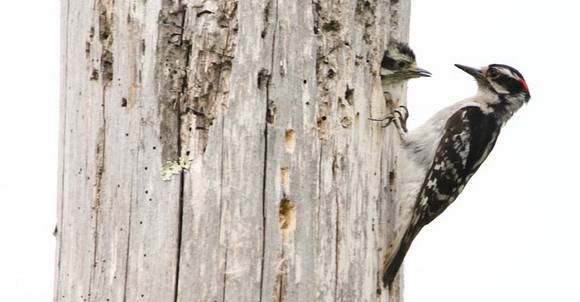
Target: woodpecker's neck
<point>507,107</point>
<point>502,106</point>
<point>394,92</point>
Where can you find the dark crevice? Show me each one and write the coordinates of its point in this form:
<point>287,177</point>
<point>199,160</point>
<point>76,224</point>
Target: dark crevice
<point>100,169</point>
<point>380,219</point>
<point>225,275</point>
<point>179,233</point>
<point>106,38</point>
<point>266,19</point>
<point>264,183</point>
<point>127,254</point>
<point>222,209</point>
<point>180,148</point>
<point>267,117</point>
<point>336,243</point>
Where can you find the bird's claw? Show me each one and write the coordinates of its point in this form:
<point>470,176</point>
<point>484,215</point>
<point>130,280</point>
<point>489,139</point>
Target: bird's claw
<point>399,114</point>
<point>387,120</point>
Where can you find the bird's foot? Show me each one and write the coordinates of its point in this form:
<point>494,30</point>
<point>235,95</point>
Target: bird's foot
<point>399,116</point>
<point>387,120</point>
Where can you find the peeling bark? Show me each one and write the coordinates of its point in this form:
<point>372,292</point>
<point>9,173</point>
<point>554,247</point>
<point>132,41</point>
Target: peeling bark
<point>280,189</point>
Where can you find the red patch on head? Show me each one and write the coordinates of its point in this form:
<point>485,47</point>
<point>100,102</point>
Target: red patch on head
<point>524,85</point>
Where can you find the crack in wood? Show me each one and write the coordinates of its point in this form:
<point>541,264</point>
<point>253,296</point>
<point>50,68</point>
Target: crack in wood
<point>172,71</point>
<point>106,22</point>
<point>337,250</point>
<point>266,19</point>
<point>270,119</point>
<point>98,186</point>
<point>281,279</point>
<point>127,253</point>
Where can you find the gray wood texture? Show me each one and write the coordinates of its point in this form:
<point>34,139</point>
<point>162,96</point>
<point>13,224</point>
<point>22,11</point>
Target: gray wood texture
<point>220,150</point>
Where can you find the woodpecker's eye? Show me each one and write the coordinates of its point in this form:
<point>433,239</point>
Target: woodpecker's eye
<point>493,73</point>
<point>401,64</point>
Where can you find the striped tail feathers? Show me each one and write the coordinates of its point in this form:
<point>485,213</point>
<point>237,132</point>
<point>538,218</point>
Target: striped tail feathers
<point>396,255</point>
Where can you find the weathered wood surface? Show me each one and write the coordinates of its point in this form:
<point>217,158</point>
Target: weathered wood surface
<point>287,195</point>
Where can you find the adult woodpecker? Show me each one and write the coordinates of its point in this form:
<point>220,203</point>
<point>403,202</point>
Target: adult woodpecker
<point>440,157</point>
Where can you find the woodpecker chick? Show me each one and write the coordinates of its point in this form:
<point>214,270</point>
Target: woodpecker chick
<point>442,155</point>
<point>398,65</point>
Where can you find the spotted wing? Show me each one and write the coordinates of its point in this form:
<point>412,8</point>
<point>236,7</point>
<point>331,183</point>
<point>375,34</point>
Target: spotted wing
<point>470,135</point>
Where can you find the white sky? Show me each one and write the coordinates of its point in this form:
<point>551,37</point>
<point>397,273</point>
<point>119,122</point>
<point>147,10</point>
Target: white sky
<point>512,234</point>
<point>29,73</point>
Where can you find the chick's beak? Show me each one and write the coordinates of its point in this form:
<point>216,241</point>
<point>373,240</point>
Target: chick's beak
<point>474,72</point>
<point>420,72</point>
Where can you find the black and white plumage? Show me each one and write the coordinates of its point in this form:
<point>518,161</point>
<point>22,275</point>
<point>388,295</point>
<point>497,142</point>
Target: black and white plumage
<point>442,155</point>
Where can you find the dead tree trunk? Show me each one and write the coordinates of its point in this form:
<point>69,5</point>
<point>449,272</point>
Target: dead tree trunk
<point>220,150</point>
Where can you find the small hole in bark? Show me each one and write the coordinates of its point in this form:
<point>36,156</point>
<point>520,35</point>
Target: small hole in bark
<point>263,78</point>
<point>290,140</point>
<point>271,112</point>
<point>391,176</point>
<point>287,216</point>
<point>123,102</point>
<point>285,180</point>
<point>94,75</point>
<point>348,95</point>
<point>333,25</point>
<point>331,73</point>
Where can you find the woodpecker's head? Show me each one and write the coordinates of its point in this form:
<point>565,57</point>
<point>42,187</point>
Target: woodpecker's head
<point>502,80</point>
<point>398,65</point>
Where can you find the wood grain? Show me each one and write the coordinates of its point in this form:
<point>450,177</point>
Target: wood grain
<point>286,193</point>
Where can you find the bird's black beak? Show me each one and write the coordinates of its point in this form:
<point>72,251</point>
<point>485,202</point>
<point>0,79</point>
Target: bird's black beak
<point>420,72</point>
<point>474,72</point>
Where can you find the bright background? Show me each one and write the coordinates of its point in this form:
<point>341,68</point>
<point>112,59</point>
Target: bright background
<point>512,234</point>
<point>29,94</point>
